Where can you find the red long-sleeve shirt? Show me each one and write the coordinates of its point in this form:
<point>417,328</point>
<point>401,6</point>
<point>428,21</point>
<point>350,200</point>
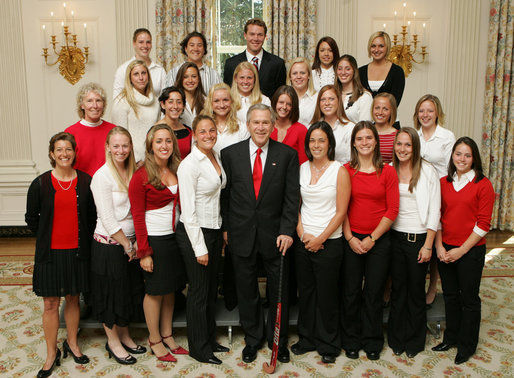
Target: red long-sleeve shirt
<point>295,138</point>
<point>461,210</point>
<point>145,197</point>
<point>373,197</point>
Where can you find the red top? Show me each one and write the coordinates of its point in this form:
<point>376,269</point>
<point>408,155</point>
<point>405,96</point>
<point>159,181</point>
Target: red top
<point>295,138</point>
<point>90,154</point>
<point>461,210</point>
<point>65,224</point>
<point>386,146</point>
<point>373,197</point>
<point>184,139</point>
<point>144,197</point>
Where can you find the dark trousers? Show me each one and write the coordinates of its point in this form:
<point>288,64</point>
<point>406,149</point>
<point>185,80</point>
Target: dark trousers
<point>408,316</point>
<point>251,316</point>
<point>318,287</point>
<point>461,285</point>
<point>201,292</point>
<point>363,304</point>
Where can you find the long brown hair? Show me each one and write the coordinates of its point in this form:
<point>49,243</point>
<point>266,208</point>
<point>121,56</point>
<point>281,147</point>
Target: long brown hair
<point>152,169</point>
<point>199,95</point>
<point>415,161</point>
<point>341,115</point>
<point>316,64</point>
<point>288,90</point>
<point>358,89</point>
<point>377,158</point>
<point>130,161</point>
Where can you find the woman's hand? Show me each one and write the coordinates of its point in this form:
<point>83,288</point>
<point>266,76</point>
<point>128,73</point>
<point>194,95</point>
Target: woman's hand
<point>367,243</point>
<point>441,253</point>
<point>147,264</point>
<point>203,260</point>
<point>312,243</point>
<point>424,255</point>
<point>454,254</point>
<point>356,246</point>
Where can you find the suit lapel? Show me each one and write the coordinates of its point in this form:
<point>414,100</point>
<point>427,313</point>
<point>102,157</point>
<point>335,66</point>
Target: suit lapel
<point>244,158</point>
<point>263,72</point>
<point>269,169</point>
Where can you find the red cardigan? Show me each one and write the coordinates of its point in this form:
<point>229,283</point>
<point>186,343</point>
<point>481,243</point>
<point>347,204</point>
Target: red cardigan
<point>461,210</point>
<point>373,197</point>
<point>295,138</point>
<point>144,197</point>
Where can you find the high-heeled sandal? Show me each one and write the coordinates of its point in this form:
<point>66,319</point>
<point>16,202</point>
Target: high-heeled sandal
<point>166,358</point>
<point>177,350</point>
<point>78,359</point>
<point>57,362</point>
<point>128,360</point>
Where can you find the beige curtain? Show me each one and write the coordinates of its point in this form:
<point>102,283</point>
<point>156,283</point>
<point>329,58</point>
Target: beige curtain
<point>174,20</point>
<point>498,134</point>
<point>292,28</point>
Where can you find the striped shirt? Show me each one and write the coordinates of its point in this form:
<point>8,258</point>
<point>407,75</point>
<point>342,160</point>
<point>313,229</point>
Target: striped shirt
<point>386,146</point>
<point>208,75</point>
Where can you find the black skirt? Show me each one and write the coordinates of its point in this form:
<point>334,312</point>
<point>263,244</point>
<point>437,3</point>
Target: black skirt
<point>117,288</point>
<point>64,274</point>
<point>169,273</point>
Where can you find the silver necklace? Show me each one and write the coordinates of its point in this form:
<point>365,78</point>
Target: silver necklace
<point>69,186</point>
<point>319,172</point>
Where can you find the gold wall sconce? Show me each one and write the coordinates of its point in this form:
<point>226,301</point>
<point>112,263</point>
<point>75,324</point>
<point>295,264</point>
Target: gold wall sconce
<point>71,58</point>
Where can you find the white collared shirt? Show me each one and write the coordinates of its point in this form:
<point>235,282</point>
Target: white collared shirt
<point>326,76</point>
<point>157,73</point>
<point>343,136</point>
<point>226,138</point>
<point>208,75</point>
<point>307,105</point>
<point>253,153</point>
<point>249,57</point>
<point>438,149</point>
<point>245,105</point>
<point>200,189</point>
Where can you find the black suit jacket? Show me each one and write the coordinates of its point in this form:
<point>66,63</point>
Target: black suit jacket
<point>272,71</point>
<point>274,213</point>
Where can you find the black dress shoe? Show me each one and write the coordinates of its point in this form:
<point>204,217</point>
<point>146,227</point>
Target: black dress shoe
<point>78,359</point>
<point>461,358</point>
<point>443,347</point>
<point>411,354</point>
<point>57,362</point>
<point>328,358</point>
<point>127,360</point>
<point>139,349</point>
<point>283,354</point>
<point>298,350</point>
<point>218,348</point>
<point>352,353</point>
<point>372,356</point>
<point>250,353</point>
<point>397,351</point>
<point>213,360</point>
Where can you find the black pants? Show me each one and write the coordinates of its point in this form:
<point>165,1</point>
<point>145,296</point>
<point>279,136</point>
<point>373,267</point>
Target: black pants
<point>201,292</point>
<point>408,316</point>
<point>251,316</point>
<point>362,314</point>
<point>461,286</point>
<point>318,286</point>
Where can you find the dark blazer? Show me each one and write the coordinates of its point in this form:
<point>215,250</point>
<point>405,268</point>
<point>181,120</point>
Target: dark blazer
<point>394,82</point>
<point>272,71</point>
<point>274,213</point>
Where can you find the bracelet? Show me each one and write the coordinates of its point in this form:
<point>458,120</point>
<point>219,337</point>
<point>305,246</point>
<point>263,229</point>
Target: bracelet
<point>301,239</point>
<point>350,239</point>
<point>130,248</point>
<point>429,249</point>
<point>372,238</point>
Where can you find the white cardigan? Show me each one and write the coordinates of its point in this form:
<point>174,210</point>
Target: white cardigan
<point>428,196</point>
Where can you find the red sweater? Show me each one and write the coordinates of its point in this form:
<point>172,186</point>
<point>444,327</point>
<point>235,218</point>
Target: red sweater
<point>144,197</point>
<point>90,145</point>
<point>461,210</point>
<point>373,197</point>
<point>65,222</point>
<point>295,138</point>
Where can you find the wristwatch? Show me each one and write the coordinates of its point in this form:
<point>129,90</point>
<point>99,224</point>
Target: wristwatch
<point>372,238</point>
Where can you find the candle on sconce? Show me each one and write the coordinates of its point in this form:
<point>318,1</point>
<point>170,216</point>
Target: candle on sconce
<point>44,36</point>
<point>52,22</point>
<point>73,22</point>
<point>85,35</point>
<point>63,36</point>
<point>404,14</point>
<point>414,15</point>
<point>65,16</point>
<point>408,31</point>
<point>424,35</point>
<point>395,26</point>
<point>384,27</point>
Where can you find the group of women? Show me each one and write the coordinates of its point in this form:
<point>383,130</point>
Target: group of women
<point>372,197</point>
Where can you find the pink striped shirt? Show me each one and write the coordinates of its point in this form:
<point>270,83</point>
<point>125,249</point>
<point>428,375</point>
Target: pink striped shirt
<point>386,146</point>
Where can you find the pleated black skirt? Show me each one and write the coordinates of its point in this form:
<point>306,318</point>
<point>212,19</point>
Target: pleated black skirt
<point>64,274</point>
<point>117,288</point>
<point>169,273</point>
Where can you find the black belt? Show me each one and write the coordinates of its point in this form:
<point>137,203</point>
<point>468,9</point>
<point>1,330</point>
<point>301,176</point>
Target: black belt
<point>410,236</point>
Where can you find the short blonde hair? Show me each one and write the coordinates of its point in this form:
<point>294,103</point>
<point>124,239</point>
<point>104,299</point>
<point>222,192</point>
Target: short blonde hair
<point>300,60</point>
<point>438,109</point>
<point>392,103</point>
<point>387,41</point>
<point>83,91</point>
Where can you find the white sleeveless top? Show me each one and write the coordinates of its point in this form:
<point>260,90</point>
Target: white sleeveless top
<point>159,221</point>
<point>319,200</point>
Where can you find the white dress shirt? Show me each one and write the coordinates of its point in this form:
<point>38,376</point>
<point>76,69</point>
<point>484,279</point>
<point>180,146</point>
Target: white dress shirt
<point>227,138</point>
<point>343,136</point>
<point>307,105</point>
<point>200,189</point>
<point>458,184</point>
<point>325,77</point>
<point>360,110</point>
<point>253,153</point>
<point>249,57</point>
<point>208,75</point>
<point>157,73</point>
<point>438,149</point>
<point>245,105</point>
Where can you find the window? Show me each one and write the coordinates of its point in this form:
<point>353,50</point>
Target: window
<point>231,17</point>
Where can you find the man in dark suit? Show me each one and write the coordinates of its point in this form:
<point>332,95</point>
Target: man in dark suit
<point>271,68</point>
<point>259,206</point>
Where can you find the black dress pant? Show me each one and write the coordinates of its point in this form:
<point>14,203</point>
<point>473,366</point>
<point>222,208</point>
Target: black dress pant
<point>408,316</point>
<point>461,285</point>
<point>251,316</point>
<point>362,315</point>
<point>201,292</point>
<point>318,301</point>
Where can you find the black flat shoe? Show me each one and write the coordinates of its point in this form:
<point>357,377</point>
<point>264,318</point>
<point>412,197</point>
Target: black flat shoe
<point>460,359</point>
<point>57,362</point>
<point>328,358</point>
<point>411,354</point>
<point>78,359</point>
<point>218,348</point>
<point>352,354</point>
<point>443,347</point>
<point>373,356</point>
<point>298,350</point>
<point>139,349</point>
<point>397,351</point>
<point>250,353</point>
<point>128,360</point>
<point>283,355</point>
<point>213,360</point>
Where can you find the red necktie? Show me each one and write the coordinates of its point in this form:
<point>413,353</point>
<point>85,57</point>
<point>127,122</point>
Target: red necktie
<point>255,62</point>
<point>257,173</point>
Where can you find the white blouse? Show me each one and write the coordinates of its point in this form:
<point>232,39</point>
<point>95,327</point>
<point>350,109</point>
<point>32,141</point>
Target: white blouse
<point>325,77</point>
<point>227,138</point>
<point>159,221</point>
<point>343,136</point>
<point>438,149</point>
<point>307,105</point>
<point>245,105</point>
<point>360,110</point>
<point>200,190</point>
